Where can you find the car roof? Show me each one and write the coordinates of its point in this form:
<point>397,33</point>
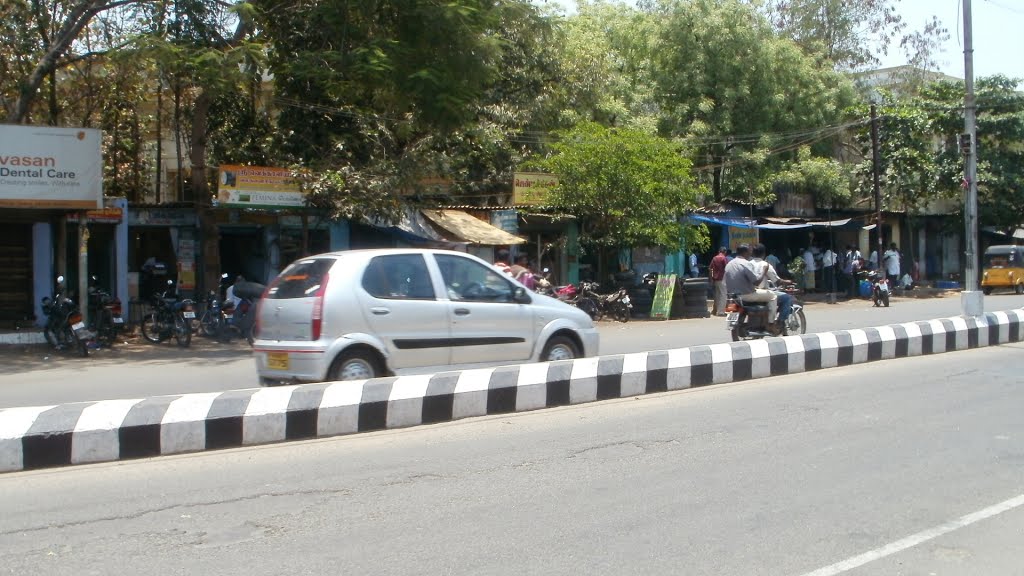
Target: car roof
<point>1002,249</point>
<point>366,252</point>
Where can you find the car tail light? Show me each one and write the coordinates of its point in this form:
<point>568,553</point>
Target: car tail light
<point>75,318</point>
<point>115,307</point>
<point>318,307</point>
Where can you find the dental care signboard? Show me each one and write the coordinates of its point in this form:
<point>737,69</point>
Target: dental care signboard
<point>49,167</point>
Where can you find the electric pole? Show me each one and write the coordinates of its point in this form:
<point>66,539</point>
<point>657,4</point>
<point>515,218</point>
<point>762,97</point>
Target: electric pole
<point>971,300</point>
<point>876,169</point>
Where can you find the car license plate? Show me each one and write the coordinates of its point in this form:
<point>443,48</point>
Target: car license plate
<point>228,316</point>
<point>78,326</point>
<point>732,317</point>
<point>118,320</point>
<point>277,360</point>
<point>189,314</point>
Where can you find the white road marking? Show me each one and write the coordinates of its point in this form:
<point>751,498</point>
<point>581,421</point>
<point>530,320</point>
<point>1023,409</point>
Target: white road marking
<point>919,538</point>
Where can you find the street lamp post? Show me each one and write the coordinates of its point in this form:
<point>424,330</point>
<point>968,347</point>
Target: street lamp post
<point>972,301</point>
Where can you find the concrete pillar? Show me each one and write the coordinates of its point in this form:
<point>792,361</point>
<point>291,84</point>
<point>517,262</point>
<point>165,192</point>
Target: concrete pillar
<point>43,274</point>
<point>121,253</point>
<point>572,250</point>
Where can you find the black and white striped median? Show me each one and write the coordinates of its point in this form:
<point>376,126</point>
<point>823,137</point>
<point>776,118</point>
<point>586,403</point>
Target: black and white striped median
<point>47,436</point>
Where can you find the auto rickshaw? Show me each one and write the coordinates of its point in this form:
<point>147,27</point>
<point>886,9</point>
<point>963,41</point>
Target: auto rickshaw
<point>1003,267</point>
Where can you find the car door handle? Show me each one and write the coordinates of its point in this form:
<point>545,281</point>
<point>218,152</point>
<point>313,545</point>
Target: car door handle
<point>462,311</point>
<point>380,311</point>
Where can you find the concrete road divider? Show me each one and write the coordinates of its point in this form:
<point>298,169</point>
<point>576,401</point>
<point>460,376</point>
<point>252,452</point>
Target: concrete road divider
<point>47,436</point>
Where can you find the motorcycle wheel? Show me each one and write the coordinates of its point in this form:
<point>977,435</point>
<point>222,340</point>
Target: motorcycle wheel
<point>105,334</point>
<point>182,331</point>
<point>151,330</point>
<point>621,312</point>
<point>885,300</point>
<point>51,337</point>
<point>792,329</point>
<point>739,331</point>
<point>209,325</point>
<point>589,306</point>
<point>249,337</point>
<point>79,345</point>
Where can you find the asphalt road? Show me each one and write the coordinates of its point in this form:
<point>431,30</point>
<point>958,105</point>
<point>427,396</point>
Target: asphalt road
<point>141,370</point>
<point>911,466</point>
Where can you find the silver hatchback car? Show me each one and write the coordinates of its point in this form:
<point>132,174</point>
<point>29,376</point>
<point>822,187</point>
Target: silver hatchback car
<point>367,313</point>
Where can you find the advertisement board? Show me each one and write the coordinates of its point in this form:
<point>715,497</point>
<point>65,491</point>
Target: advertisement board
<point>738,236</point>
<point>50,167</point>
<point>661,308</point>
<point>258,187</point>
<point>532,188</point>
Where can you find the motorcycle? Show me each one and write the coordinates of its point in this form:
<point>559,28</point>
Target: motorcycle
<point>617,305</point>
<point>213,323</point>
<point>880,288</point>
<point>170,317</point>
<point>105,315</point>
<point>749,321</point>
<point>241,318</point>
<point>64,328</point>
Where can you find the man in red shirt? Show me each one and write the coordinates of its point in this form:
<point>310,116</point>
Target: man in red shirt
<point>717,273</point>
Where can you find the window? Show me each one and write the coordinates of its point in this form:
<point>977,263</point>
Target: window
<point>300,280</point>
<point>468,280</point>
<point>398,277</point>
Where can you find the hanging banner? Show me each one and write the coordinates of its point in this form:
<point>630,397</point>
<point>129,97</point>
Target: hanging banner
<point>49,167</point>
<point>661,308</point>
<point>258,187</point>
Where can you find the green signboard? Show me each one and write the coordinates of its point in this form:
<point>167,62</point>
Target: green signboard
<point>662,306</point>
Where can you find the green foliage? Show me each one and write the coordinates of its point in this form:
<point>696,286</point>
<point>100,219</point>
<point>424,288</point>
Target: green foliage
<point>721,70</point>
<point>829,180</point>
<point>626,186</point>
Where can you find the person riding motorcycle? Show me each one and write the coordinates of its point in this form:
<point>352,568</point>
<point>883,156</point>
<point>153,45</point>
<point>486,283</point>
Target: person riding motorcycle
<point>743,279</point>
<point>785,301</point>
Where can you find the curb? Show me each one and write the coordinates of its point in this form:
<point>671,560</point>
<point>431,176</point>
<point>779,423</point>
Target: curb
<point>110,430</point>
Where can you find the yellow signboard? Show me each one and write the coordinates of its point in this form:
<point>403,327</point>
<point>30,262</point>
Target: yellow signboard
<point>661,308</point>
<point>258,187</point>
<point>532,187</point>
<point>739,236</point>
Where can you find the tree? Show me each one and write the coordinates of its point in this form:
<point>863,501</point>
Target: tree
<point>732,89</point>
<point>627,187</point>
<point>851,35</point>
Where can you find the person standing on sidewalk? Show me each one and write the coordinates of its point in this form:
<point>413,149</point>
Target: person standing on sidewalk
<point>717,273</point>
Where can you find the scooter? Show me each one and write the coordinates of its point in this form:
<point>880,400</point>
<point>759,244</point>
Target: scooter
<point>749,321</point>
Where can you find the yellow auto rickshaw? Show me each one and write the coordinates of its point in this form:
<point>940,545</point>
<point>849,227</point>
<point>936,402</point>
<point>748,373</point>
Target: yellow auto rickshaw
<point>1003,268</point>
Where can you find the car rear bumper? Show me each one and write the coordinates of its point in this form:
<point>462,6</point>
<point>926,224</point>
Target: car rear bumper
<point>300,361</point>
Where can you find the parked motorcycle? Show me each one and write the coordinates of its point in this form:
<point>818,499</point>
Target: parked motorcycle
<point>213,322</point>
<point>617,305</point>
<point>749,321</point>
<point>170,317</point>
<point>64,328</point>
<point>880,288</point>
<point>105,318</point>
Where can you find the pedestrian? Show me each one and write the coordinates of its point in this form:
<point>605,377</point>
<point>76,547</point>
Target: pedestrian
<point>873,261</point>
<point>773,260</point>
<point>828,278</point>
<point>809,269</point>
<point>891,262</point>
<point>849,270</point>
<point>694,268</point>
<point>717,273</point>
<point>521,271</point>
<point>501,261</point>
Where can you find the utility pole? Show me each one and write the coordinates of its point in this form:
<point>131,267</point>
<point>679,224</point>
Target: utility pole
<point>972,300</point>
<point>876,169</point>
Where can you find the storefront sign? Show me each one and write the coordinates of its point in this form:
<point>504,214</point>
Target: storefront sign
<point>739,236</point>
<point>48,167</point>
<point>258,187</point>
<point>161,217</point>
<point>793,204</point>
<point>532,188</point>
<point>507,220</point>
<point>104,216</point>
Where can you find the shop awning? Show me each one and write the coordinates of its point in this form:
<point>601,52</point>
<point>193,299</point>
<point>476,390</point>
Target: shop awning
<point>413,228</point>
<point>774,224</point>
<point>470,229</point>
<point>724,220</point>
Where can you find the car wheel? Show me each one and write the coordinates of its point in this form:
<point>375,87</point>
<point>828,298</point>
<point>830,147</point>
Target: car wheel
<point>355,365</point>
<point>559,348</point>
<point>1018,289</point>
<point>987,290</point>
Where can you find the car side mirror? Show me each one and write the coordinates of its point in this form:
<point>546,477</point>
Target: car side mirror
<point>520,296</point>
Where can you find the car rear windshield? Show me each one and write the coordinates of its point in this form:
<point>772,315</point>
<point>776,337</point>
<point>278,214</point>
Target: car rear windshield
<point>300,280</point>
<point>1004,260</point>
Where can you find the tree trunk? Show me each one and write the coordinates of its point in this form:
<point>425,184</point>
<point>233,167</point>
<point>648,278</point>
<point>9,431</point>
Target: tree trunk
<point>716,180</point>
<point>209,235</point>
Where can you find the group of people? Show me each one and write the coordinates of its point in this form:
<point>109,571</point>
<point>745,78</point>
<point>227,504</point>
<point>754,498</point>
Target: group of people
<point>839,271</point>
<point>519,270</point>
<point>752,275</point>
